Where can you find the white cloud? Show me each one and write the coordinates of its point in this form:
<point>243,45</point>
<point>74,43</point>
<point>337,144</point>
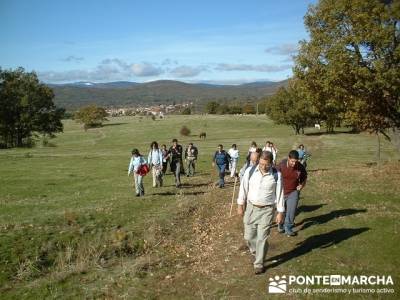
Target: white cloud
<point>256,68</point>
<point>187,71</point>
<point>284,49</point>
<point>145,69</point>
<point>72,58</point>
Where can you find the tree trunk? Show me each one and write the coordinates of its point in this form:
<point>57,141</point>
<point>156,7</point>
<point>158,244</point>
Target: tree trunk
<point>378,150</point>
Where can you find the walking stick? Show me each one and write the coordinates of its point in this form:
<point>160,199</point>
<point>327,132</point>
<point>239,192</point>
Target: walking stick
<point>233,196</point>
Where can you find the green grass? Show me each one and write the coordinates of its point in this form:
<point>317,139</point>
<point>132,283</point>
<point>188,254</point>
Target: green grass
<point>70,226</point>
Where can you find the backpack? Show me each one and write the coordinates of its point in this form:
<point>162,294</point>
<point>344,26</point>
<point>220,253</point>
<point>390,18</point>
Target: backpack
<point>143,170</point>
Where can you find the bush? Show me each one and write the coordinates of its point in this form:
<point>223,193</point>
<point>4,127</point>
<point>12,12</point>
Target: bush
<point>185,131</point>
<point>187,111</point>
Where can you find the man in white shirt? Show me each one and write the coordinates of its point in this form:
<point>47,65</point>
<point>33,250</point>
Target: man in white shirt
<point>234,154</point>
<point>261,191</point>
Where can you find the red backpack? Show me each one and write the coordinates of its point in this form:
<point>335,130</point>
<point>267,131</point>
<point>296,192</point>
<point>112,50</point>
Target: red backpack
<point>143,170</point>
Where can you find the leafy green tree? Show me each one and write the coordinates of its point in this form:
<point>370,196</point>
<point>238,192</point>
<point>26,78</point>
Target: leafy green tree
<point>351,64</point>
<point>91,116</point>
<point>212,107</point>
<point>289,106</point>
<point>26,108</point>
<point>186,111</point>
<point>235,109</point>
<point>223,109</point>
<point>248,109</point>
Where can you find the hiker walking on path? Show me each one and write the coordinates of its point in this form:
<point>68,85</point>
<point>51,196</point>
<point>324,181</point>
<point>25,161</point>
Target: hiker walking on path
<point>234,155</point>
<point>175,153</point>
<point>165,158</point>
<point>155,161</point>
<point>253,160</point>
<point>191,153</point>
<point>294,177</point>
<point>303,155</point>
<point>137,166</point>
<point>269,146</point>
<point>253,148</point>
<point>260,193</point>
<point>221,159</point>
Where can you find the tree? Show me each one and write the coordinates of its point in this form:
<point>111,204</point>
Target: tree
<point>185,131</point>
<point>351,64</point>
<point>223,109</point>
<point>91,116</point>
<point>26,108</point>
<point>249,109</point>
<point>212,107</point>
<point>186,111</point>
<point>289,106</point>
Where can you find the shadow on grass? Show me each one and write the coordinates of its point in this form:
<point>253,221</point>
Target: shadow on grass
<point>308,208</point>
<point>177,193</point>
<point>330,133</point>
<point>192,185</point>
<point>113,124</point>
<point>320,241</point>
<point>316,170</point>
<point>307,222</point>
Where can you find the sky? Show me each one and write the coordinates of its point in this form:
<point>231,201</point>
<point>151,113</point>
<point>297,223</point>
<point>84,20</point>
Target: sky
<point>219,41</point>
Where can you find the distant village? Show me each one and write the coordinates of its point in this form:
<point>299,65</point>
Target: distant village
<point>155,110</point>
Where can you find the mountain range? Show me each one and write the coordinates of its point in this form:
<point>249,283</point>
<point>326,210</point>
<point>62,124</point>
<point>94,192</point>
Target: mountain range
<point>124,93</point>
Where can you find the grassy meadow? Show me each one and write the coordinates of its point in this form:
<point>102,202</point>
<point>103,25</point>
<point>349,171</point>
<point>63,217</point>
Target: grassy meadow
<point>71,227</point>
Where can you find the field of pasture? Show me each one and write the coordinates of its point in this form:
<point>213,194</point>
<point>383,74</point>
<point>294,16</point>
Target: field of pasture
<point>71,227</point>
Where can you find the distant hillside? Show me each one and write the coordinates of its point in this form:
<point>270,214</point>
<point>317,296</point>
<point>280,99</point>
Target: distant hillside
<point>123,93</point>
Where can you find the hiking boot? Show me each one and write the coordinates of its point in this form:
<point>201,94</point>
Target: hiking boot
<point>290,233</point>
<point>137,195</point>
<point>259,271</point>
<point>280,228</point>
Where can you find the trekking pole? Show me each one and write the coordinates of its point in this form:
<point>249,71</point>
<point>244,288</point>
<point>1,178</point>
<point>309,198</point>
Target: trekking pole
<point>233,196</point>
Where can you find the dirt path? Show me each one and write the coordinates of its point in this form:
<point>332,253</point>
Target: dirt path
<point>208,259</point>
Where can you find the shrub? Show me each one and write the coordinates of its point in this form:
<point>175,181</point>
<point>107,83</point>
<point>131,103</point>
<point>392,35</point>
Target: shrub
<point>185,131</point>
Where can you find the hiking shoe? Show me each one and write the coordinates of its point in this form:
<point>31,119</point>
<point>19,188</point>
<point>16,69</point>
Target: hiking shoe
<point>280,228</point>
<point>259,271</point>
<point>137,195</point>
<point>291,233</point>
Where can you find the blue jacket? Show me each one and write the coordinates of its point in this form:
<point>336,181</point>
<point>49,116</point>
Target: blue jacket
<point>221,158</point>
<point>155,157</point>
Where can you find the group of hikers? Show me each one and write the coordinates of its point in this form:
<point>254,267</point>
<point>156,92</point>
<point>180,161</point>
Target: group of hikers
<point>158,160</point>
<point>267,188</point>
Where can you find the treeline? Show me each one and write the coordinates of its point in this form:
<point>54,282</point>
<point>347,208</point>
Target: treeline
<point>214,107</point>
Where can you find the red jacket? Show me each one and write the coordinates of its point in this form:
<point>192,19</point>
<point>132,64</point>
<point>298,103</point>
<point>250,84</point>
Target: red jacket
<point>292,177</point>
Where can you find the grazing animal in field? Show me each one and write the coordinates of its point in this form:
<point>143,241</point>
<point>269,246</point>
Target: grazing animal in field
<point>203,135</point>
<point>317,126</point>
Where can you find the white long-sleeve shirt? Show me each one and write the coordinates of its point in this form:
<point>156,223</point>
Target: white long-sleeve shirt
<point>272,150</point>
<point>234,153</point>
<point>262,189</point>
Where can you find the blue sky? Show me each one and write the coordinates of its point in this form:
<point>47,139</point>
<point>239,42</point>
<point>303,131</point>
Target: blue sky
<point>192,41</point>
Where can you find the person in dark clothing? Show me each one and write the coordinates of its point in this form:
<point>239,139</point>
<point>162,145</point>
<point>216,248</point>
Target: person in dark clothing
<point>221,159</point>
<point>294,177</point>
<point>165,155</point>
<point>175,154</point>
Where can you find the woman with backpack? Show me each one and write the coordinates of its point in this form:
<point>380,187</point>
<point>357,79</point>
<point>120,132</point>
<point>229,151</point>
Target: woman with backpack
<point>155,161</point>
<point>139,168</point>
